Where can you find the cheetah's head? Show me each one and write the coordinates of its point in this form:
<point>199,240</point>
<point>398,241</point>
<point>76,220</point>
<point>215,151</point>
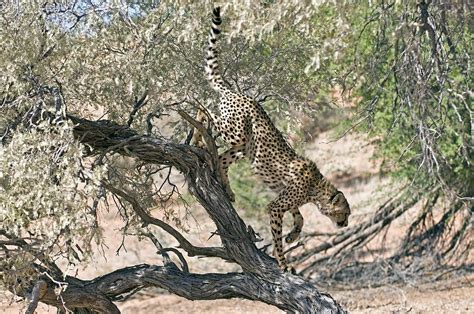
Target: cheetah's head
<point>337,209</point>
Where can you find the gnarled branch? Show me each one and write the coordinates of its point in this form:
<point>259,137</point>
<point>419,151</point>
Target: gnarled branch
<point>284,293</point>
<point>260,280</point>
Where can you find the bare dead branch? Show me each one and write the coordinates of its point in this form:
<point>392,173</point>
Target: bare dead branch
<point>183,242</point>
<point>210,143</point>
<point>184,264</point>
<point>139,103</point>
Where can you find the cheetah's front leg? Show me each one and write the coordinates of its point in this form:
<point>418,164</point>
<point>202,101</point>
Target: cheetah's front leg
<point>276,219</point>
<point>277,209</point>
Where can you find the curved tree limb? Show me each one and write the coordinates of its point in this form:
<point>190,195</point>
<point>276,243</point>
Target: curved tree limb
<point>119,284</point>
<point>191,161</point>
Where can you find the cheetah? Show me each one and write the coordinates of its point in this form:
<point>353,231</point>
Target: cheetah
<point>246,127</point>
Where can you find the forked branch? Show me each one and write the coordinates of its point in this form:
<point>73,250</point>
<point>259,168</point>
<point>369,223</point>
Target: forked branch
<point>148,219</point>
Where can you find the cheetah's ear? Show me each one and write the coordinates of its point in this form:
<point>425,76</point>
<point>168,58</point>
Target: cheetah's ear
<point>337,197</point>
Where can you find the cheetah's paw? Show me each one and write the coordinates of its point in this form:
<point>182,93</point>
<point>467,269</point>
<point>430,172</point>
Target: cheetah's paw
<point>288,269</point>
<point>230,194</point>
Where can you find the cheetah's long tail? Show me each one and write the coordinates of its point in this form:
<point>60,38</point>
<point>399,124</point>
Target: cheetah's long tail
<point>212,67</point>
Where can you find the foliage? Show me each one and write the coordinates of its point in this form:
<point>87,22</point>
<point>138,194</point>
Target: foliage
<point>45,190</point>
<point>409,68</point>
<point>412,72</point>
<point>252,196</point>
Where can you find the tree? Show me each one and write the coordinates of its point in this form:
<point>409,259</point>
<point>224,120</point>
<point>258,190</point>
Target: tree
<point>60,161</point>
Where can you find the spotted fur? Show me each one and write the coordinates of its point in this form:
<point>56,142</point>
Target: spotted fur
<point>246,127</point>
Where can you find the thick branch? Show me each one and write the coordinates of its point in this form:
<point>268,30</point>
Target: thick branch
<point>118,284</point>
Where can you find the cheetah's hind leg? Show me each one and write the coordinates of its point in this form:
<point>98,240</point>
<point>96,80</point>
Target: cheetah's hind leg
<point>298,226</point>
<point>197,139</point>
<point>225,160</point>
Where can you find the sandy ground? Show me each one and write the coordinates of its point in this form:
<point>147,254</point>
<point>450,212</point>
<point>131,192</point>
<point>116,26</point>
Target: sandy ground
<point>354,172</point>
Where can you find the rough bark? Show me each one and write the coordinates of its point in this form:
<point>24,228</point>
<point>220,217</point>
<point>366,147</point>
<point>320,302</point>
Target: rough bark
<point>288,292</point>
<point>261,279</point>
